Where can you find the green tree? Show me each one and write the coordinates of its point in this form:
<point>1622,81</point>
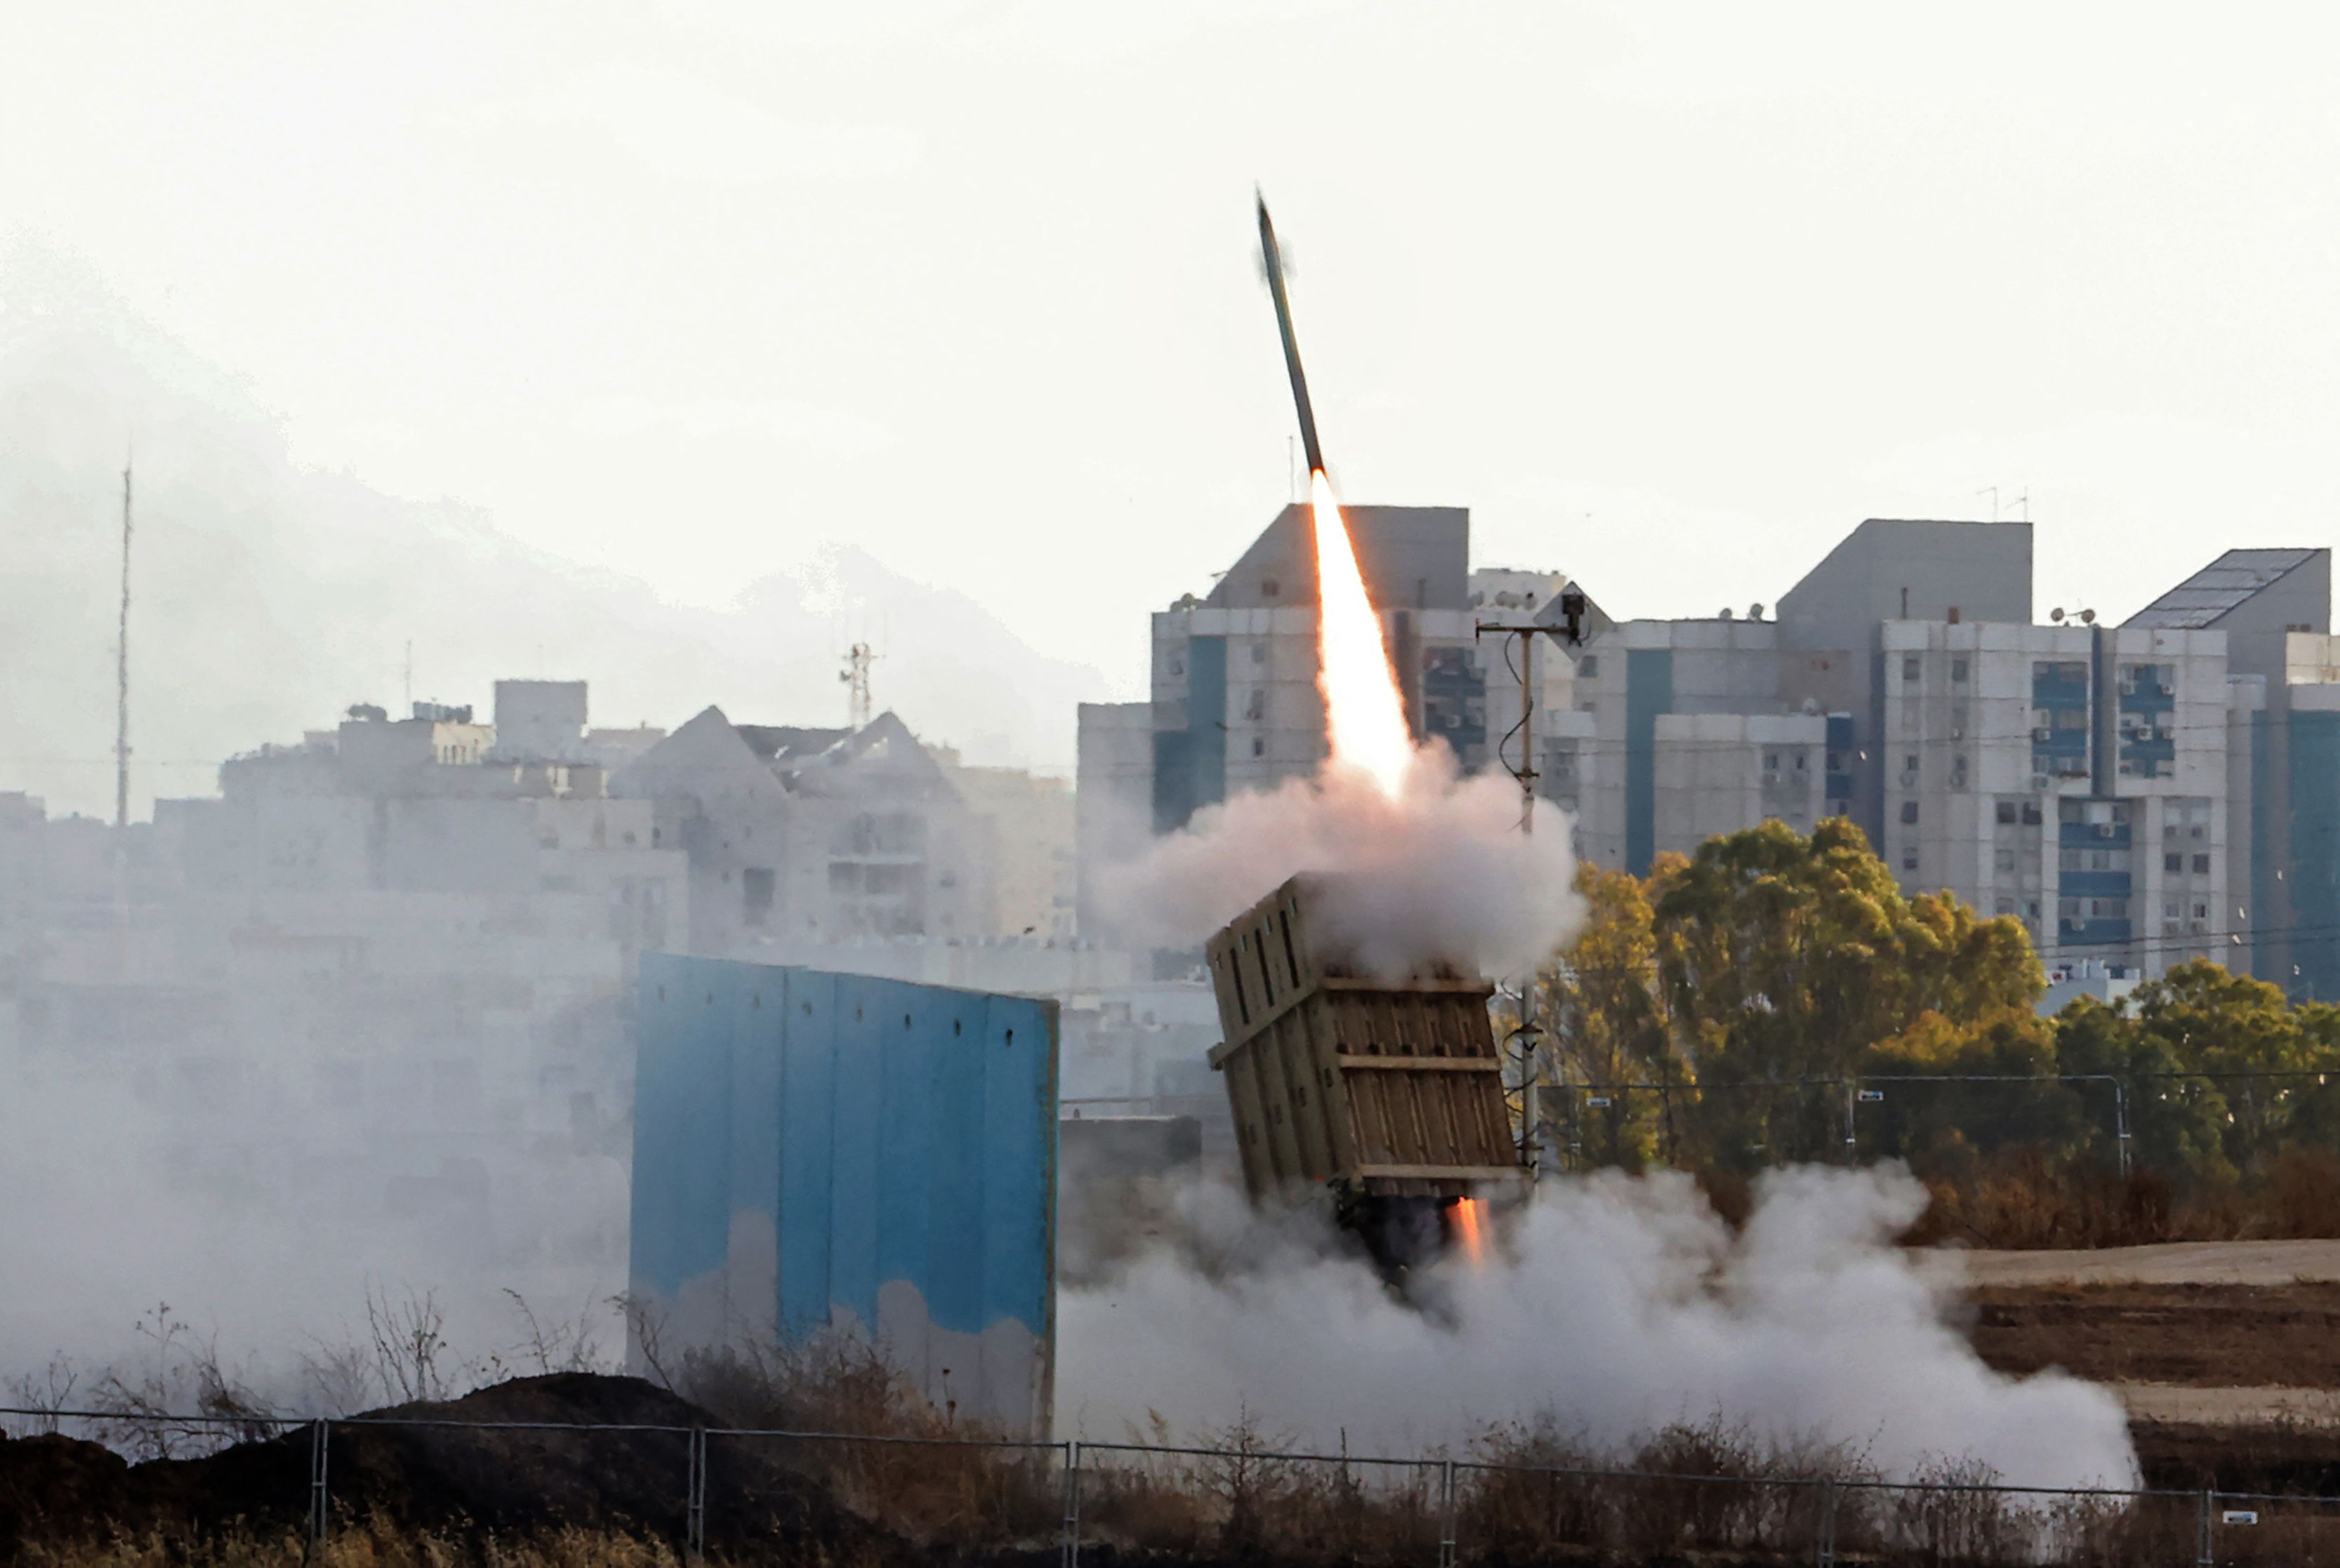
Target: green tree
<point>1784,958</point>
<point>1609,1025</point>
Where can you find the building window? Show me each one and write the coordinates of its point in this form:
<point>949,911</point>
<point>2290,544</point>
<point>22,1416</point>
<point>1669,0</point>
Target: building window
<point>1270,588</point>
<point>1799,762</point>
<point>1587,667</point>
<point>1908,811</point>
<point>1255,705</point>
<point>2005,860</point>
<point>1772,761</point>
<point>1909,860</point>
<point>2201,912</point>
<point>2006,813</point>
<point>1909,666</point>
<point>1958,669</point>
<point>2173,864</point>
<point>2202,863</point>
<point>1258,746</point>
<point>755,894</point>
<point>1259,653</point>
<point>2031,813</point>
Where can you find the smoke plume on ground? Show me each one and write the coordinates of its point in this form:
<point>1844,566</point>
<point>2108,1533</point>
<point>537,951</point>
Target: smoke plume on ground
<point>1618,1306</point>
<point>1442,873</point>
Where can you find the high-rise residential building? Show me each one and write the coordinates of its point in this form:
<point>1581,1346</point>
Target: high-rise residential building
<point>1234,704</point>
<point>2281,739</point>
<point>2136,794</point>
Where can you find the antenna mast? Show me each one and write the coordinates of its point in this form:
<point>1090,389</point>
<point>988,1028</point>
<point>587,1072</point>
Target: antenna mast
<point>122,675</point>
<point>856,676</point>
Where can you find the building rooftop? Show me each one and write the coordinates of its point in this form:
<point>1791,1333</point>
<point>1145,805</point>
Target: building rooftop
<point>784,745</point>
<point>2220,589</point>
<point>1412,558</point>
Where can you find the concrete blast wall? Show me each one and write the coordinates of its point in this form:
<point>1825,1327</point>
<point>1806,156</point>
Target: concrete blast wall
<point>820,1151</point>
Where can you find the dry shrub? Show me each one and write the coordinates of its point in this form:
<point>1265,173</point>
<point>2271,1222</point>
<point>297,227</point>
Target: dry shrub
<point>1145,1501</point>
<point>1686,1491</point>
<point>374,1543</point>
<point>1249,1500</point>
<point>2019,1197</point>
<point>1531,1497</point>
<point>2302,1193</point>
<point>2022,1197</point>
<point>959,1483</point>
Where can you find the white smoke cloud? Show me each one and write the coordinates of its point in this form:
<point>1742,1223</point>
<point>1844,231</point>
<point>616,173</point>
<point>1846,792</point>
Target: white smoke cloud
<point>1617,1306</point>
<point>1441,873</point>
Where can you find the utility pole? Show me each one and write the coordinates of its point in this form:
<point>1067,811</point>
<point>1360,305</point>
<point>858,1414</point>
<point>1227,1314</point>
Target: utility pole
<point>122,751</point>
<point>121,677</point>
<point>1571,630</point>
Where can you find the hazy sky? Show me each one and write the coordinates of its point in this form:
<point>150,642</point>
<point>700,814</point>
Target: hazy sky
<point>1670,296</point>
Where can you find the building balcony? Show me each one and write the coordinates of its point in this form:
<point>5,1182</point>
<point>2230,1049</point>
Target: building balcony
<point>2093,884</point>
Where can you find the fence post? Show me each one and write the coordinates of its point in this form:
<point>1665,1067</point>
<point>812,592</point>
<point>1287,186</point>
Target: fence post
<point>319,1438</point>
<point>1071,1553</point>
<point>2205,1555</point>
<point>1824,1533</point>
<point>1446,1514</point>
<point>695,1505</point>
<point>2120,1124</point>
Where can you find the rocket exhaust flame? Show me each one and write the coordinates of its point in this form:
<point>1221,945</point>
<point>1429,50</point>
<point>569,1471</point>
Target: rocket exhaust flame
<point>1364,714</point>
<point>1469,1231</point>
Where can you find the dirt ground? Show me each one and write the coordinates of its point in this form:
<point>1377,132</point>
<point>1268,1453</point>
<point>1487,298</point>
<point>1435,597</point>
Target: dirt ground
<point>2285,1336</point>
<point>2226,1354</point>
<point>2263,1263</point>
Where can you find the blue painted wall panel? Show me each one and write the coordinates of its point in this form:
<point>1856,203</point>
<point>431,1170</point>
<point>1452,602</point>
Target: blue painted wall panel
<point>1018,1114</point>
<point>830,1152</point>
<point>955,1214</point>
<point>808,1151</point>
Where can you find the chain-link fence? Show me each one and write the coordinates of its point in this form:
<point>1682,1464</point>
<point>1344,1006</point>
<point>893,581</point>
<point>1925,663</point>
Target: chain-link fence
<point>728,1493</point>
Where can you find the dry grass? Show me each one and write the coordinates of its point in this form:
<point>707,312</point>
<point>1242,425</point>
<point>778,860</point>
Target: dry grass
<point>957,1487</point>
<point>373,1544</point>
<point>1249,1504</point>
<point>1712,1494</point>
<point>2019,1197</point>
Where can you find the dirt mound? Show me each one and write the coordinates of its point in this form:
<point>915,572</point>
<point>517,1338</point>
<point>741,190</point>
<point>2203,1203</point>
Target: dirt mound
<point>464,1480</point>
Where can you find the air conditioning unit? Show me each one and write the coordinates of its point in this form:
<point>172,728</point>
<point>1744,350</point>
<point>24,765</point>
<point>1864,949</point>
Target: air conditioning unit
<point>1909,777</point>
<point>2043,733</point>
